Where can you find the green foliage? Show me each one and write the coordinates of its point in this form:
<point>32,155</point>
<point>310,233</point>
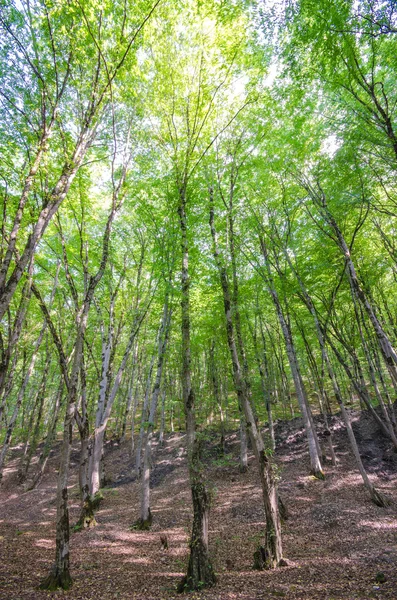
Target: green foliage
<point>259,104</point>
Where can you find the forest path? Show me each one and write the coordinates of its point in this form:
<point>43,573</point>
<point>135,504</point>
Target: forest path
<point>335,539</point>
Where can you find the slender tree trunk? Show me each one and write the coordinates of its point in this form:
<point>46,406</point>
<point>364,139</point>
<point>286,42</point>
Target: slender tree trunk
<point>21,394</point>
<point>237,324</point>
<point>199,572</point>
<point>55,199</point>
<point>51,434</point>
<point>8,436</point>
<point>243,443</point>
<point>134,409</point>
<point>384,387</point>
<point>59,575</point>
<point>361,391</point>
<point>15,330</point>
<point>87,517</point>
<point>162,420</point>
<point>315,461</point>
<point>145,520</point>
<point>144,416</point>
<point>101,423</point>
<point>130,396</point>
<point>372,355</point>
<point>270,554</point>
<point>376,497</point>
<point>375,386</point>
<point>265,380</point>
<point>9,385</point>
<point>388,352</point>
<point>217,394</point>
<point>25,463</point>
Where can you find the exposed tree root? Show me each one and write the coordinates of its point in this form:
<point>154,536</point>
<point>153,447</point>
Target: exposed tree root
<point>57,579</point>
<point>379,499</point>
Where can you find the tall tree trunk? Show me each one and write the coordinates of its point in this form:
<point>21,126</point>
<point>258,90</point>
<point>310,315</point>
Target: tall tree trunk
<point>51,434</point>
<point>388,352</point>
<point>144,417</point>
<point>376,497</point>
<point>59,575</point>
<point>314,454</point>
<point>21,394</point>
<point>217,394</point>
<point>49,209</point>
<point>102,420</point>
<point>162,419</point>
<point>199,572</point>
<point>243,442</point>
<point>145,520</point>
<point>8,385</point>
<point>320,393</point>
<point>25,463</point>
<point>87,517</point>
<point>271,553</point>
<point>265,380</point>
<point>237,322</point>
<point>134,409</point>
<point>359,387</point>
<point>130,395</point>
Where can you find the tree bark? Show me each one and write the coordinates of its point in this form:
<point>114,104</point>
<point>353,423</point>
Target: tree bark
<point>103,417</point>
<point>43,458</point>
<point>315,461</point>
<point>145,520</point>
<point>199,572</point>
<point>272,549</point>
<point>388,352</point>
<point>59,575</point>
<point>26,460</point>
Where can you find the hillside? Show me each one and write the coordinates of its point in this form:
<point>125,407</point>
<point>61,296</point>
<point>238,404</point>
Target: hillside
<point>335,540</point>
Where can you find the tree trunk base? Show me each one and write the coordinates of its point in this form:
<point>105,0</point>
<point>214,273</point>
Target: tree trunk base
<point>319,474</point>
<point>283,563</point>
<point>57,579</point>
<point>34,484</point>
<point>87,517</point>
<point>379,499</point>
<point>262,559</point>
<point>21,477</point>
<point>144,524</point>
<point>200,573</point>
<point>86,521</point>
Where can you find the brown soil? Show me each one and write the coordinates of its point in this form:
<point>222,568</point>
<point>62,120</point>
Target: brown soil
<point>335,540</point>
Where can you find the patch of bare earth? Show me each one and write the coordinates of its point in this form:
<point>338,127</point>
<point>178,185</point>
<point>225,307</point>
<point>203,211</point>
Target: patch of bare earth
<point>335,539</point>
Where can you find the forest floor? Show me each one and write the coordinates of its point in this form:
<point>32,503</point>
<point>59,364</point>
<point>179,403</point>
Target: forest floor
<point>335,540</point>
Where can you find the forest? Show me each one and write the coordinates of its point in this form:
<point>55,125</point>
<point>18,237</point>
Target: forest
<point>198,310</point>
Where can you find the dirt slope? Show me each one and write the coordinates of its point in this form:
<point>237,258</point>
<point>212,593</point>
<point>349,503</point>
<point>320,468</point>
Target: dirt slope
<point>335,540</point>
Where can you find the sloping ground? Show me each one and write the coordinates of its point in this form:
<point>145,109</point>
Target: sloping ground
<point>335,540</point>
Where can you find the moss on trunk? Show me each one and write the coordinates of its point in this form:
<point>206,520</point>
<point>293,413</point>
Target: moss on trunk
<point>144,524</point>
